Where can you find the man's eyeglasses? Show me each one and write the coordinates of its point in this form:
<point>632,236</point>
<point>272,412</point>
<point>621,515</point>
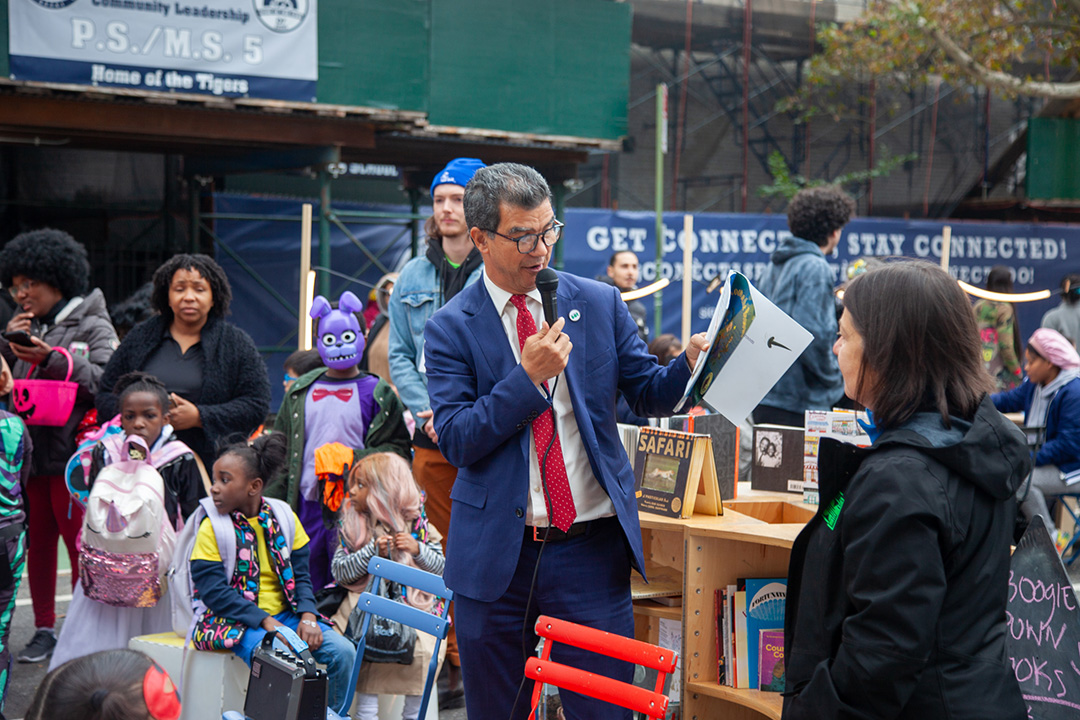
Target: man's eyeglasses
<point>527,243</point>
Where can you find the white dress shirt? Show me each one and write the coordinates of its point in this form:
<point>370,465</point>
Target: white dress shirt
<point>590,499</point>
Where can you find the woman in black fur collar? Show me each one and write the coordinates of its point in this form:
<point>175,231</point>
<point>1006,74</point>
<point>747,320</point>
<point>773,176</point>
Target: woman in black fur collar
<point>216,379</point>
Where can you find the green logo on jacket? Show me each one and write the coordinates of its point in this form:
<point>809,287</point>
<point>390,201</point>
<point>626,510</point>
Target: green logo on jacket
<point>832,514</point>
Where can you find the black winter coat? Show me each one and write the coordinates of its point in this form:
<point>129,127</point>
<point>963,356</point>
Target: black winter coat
<point>236,387</point>
<point>898,586</point>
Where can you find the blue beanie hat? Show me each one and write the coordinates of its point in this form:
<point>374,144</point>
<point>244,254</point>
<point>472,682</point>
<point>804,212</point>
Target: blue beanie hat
<point>458,172</point>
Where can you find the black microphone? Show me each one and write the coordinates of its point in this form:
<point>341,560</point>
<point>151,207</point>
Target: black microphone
<point>547,282</point>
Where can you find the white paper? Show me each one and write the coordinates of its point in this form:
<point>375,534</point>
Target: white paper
<point>773,342</point>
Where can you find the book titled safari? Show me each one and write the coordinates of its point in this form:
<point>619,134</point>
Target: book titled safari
<point>662,471</point>
<point>771,661</point>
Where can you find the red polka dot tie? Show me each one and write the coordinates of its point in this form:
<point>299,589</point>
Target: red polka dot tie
<point>560,501</point>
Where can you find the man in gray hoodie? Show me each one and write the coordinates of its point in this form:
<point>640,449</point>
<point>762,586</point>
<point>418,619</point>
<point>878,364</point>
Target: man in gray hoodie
<point>801,283</point>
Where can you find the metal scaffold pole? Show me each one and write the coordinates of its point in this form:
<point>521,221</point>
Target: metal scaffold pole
<point>661,150</point>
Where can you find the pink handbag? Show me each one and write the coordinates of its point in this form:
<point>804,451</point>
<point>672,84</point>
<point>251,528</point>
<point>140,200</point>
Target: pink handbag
<point>45,402</point>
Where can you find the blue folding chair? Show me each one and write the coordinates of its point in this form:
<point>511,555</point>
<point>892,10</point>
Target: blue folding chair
<point>383,569</point>
<point>422,620</point>
<point>1072,549</point>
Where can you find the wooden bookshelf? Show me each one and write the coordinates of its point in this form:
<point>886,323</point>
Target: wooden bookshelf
<point>650,609</point>
<point>752,538</point>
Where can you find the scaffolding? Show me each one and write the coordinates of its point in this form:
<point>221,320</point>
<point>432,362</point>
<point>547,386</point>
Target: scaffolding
<point>729,74</point>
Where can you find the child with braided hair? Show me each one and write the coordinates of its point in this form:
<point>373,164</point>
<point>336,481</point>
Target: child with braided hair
<point>270,585</point>
<point>91,625</point>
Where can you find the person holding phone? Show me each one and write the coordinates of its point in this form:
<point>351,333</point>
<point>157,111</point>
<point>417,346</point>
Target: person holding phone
<point>47,273</point>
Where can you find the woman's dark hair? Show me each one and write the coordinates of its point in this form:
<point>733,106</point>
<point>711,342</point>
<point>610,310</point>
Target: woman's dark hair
<point>303,361</point>
<point>137,381</point>
<point>49,256</point>
<point>205,266</point>
<point>816,213</point>
<point>661,347</point>
<point>999,279</point>
<point>1070,288</point>
<point>132,310</point>
<point>105,685</point>
<point>264,458</point>
<point>921,348</point>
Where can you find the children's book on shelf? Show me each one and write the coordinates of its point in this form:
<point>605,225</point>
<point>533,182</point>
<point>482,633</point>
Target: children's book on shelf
<point>842,425</point>
<point>721,659</point>
<point>742,667</point>
<point>751,344</point>
<point>778,459</point>
<point>674,474</point>
<point>771,661</point>
<point>765,599</point>
<point>725,448</point>
<point>729,634</point>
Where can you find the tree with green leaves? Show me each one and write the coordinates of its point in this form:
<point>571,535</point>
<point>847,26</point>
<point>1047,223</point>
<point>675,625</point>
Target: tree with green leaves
<point>1014,47</point>
<point>785,184</point>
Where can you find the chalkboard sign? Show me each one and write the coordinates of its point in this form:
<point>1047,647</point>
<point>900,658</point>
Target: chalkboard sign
<point>1044,628</point>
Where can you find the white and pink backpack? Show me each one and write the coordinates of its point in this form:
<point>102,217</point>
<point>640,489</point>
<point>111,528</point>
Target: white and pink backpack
<point>127,539</point>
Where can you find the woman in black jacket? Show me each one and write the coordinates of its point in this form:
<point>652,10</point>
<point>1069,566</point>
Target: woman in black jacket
<point>898,586</point>
<point>216,378</point>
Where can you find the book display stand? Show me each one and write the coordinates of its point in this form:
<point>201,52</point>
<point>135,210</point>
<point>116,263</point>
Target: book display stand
<point>675,474</point>
<point>752,538</point>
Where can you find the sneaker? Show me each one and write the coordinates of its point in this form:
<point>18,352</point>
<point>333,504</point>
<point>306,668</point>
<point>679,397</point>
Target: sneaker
<point>39,648</point>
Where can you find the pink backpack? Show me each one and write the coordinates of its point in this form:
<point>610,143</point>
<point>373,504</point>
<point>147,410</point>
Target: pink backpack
<point>127,539</point>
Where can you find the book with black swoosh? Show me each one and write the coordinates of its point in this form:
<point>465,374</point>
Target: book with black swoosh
<point>752,343</point>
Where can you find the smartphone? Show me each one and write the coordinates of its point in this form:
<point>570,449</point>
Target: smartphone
<point>20,337</point>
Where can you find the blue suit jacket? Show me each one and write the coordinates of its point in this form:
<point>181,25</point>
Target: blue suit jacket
<point>484,401</point>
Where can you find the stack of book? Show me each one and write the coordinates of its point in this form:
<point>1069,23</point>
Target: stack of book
<point>750,634</point>
<point>837,424</point>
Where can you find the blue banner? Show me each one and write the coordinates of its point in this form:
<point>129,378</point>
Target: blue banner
<point>262,261</point>
<point>1039,255</point>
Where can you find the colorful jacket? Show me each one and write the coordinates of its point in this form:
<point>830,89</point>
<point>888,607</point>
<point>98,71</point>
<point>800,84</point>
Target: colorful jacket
<point>385,433</point>
<point>224,601</point>
<point>997,331</point>
<point>15,455</point>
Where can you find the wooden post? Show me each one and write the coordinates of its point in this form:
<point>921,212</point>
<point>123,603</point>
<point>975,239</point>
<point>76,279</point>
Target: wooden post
<point>688,276</point>
<point>946,244</point>
<point>307,286</point>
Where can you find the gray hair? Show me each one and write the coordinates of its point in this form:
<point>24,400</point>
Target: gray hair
<point>516,185</point>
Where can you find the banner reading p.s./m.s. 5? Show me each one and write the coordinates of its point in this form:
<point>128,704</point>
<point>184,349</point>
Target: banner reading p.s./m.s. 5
<point>228,48</point>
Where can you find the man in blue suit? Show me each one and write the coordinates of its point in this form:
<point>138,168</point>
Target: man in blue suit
<point>490,376</point>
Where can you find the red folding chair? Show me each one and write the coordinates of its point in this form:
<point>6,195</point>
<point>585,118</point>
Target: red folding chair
<point>653,703</point>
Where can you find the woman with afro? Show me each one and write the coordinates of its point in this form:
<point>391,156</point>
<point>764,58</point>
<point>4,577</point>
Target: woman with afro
<point>217,381</point>
<point>800,282</point>
<point>47,273</point>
